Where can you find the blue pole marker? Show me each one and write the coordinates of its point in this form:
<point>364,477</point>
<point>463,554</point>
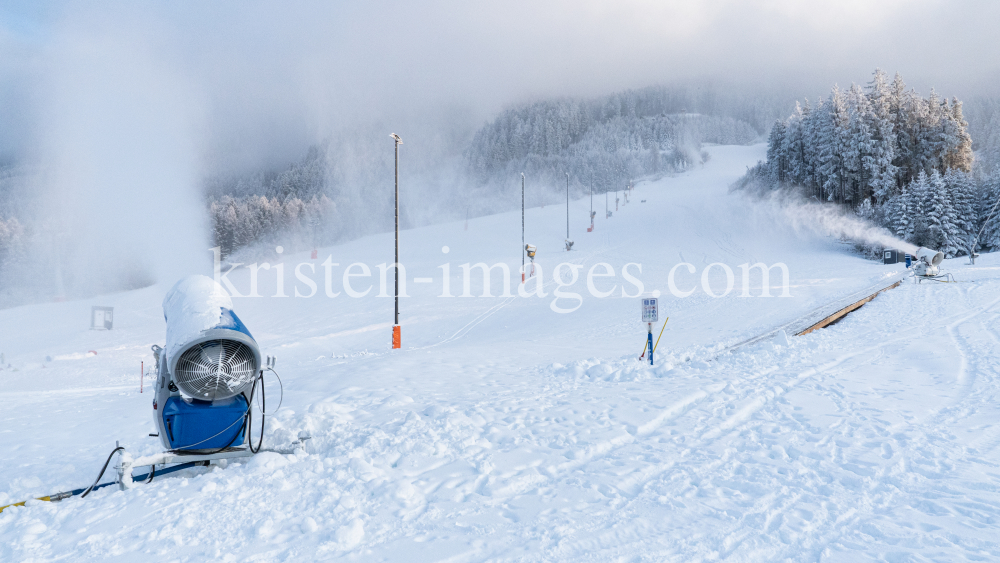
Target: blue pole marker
<point>650,314</point>
<point>908,261</point>
<point>649,340</point>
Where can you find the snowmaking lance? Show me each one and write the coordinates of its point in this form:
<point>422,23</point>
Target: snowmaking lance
<point>208,376</point>
<point>531,250</point>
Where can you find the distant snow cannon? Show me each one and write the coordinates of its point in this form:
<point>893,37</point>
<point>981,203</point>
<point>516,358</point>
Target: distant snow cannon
<point>928,262</point>
<point>205,371</point>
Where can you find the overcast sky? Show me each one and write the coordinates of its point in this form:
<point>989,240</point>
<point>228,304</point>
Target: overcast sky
<point>257,81</point>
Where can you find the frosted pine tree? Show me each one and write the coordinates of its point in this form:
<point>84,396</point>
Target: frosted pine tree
<point>811,132</point>
<point>900,102</point>
<point>882,172</point>
<point>959,154</point>
<point>793,148</point>
<point>858,154</point>
<point>940,216</point>
<point>961,189</point>
<point>917,207</point>
<point>899,214</point>
<point>833,144</point>
<point>776,152</point>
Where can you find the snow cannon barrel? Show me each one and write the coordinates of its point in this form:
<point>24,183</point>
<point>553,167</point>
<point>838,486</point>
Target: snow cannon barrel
<point>929,257</point>
<point>209,354</point>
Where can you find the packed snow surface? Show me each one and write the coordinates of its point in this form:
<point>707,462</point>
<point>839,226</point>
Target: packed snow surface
<point>504,430</point>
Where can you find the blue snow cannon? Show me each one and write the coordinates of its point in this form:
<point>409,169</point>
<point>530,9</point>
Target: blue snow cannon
<point>206,370</point>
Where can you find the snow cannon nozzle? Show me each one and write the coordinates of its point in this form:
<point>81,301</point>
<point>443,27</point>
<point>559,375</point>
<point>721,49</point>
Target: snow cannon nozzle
<point>929,257</point>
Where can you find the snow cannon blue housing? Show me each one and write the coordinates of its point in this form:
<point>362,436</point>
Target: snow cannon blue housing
<point>189,422</point>
<point>205,371</point>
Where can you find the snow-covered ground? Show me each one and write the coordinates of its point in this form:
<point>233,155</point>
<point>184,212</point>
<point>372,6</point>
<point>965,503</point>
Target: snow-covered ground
<point>506,431</point>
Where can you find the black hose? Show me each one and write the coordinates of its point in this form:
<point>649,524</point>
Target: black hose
<point>247,421</point>
<point>103,469</point>
<point>263,413</point>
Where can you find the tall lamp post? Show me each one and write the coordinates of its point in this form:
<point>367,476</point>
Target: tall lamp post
<point>522,227</point>
<point>396,337</point>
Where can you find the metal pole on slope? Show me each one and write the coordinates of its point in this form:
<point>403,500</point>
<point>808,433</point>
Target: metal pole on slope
<point>396,337</point>
<point>567,205</point>
<point>591,202</point>
<point>522,227</point>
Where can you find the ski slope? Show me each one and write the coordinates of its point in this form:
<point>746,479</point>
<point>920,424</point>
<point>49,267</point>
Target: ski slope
<point>505,431</point>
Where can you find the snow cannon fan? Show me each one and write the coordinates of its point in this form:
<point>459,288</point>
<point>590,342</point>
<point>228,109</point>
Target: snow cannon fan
<point>928,262</point>
<point>205,371</point>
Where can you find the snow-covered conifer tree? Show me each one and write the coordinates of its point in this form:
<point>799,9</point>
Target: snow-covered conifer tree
<point>833,144</point>
<point>959,153</point>
<point>793,148</point>
<point>940,216</point>
<point>898,216</point>
<point>776,152</point>
<point>961,190</point>
<point>882,172</point>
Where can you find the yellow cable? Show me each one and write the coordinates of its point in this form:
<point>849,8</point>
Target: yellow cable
<point>46,499</point>
<point>661,334</point>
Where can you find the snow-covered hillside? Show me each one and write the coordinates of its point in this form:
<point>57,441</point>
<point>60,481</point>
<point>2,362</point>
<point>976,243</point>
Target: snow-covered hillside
<point>504,430</point>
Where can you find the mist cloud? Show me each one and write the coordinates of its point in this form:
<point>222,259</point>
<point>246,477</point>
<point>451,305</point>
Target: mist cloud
<point>281,75</point>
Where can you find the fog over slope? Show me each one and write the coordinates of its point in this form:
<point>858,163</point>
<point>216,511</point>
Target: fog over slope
<point>117,120</point>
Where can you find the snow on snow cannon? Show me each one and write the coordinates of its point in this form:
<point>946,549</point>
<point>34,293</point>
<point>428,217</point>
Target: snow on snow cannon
<point>205,371</point>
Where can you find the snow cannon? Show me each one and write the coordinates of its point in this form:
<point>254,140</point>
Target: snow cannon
<point>927,262</point>
<point>206,370</point>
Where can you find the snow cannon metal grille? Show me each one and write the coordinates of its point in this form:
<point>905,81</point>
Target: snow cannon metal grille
<point>216,369</point>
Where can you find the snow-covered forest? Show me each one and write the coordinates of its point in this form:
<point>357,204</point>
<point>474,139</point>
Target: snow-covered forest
<point>904,161</point>
<point>255,208</point>
<point>604,142</point>
<point>610,140</point>
<point>862,147</point>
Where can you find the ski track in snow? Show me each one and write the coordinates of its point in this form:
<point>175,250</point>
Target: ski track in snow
<point>506,435</point>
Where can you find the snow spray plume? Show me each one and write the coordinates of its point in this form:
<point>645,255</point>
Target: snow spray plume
<point>121,204</point>
<point>833,220</point>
